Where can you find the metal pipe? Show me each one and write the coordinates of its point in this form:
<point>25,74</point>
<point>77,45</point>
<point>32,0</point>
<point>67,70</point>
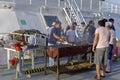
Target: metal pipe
<point>81,4</point>
<point>59,3</point>
<point>30,2</point>
<point>45,3</point>
<point>91,3</point>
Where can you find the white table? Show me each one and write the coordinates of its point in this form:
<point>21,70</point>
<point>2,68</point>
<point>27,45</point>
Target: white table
<point>9,53</point>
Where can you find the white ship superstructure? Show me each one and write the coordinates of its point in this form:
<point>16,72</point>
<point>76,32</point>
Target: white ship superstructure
<point>38,14</point>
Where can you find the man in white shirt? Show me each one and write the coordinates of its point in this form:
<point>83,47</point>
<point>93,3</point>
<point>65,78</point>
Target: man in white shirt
<point>112,43</point>
<point>100,47</point>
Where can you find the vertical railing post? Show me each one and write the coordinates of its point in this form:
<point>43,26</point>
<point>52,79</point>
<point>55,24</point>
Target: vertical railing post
<point>30,2</point>
<point>116,9</point>
<point>59,3</point>
<point>91,2</point>
<point>107,6</point>
<point>111,7</point>
<point>100,5</point>
<point>81,4</point>
<point>45,3</point>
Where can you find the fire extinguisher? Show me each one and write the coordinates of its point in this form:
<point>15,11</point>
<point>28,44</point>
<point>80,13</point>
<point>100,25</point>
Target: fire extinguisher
<point>14,61</point>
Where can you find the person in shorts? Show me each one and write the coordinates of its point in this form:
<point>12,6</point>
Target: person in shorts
<point>55,36</point>
<point>100,47</point>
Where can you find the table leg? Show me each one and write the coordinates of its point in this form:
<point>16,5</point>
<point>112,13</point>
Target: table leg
<point>45,60</point>
<point>32,55</point>
<point>8,58</point>
<point>90,58</point>
<point>19,65</point>
<point>35,53</point>
<point>58,66</point>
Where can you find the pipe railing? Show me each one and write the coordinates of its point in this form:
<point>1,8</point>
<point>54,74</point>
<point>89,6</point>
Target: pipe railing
<point>74,11</point>
<point>110,7</point>
<point>79,12</point>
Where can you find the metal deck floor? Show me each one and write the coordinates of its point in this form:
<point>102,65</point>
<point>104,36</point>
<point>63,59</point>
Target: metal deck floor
<point>81,75</point>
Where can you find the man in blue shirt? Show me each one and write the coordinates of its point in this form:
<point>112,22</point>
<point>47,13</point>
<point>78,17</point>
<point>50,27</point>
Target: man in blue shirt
<point>91,30</point>
<point>55,36</point>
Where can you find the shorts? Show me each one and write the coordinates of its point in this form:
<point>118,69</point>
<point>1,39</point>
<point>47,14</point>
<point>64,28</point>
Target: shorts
<point>101,56</point>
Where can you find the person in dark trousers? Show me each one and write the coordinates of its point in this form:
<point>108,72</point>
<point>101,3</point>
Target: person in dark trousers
<point>91,30</point>
<point>112,21</point>
<point>111,45</point>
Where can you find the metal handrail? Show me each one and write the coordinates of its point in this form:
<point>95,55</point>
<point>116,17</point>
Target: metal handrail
<point>67,16</point>
<point>43,17</point>
<point>80,12</point>
<point>111,7</point>
<point>76,11</point>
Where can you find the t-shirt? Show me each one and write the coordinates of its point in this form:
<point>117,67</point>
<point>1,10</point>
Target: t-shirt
<point>112,36</point>
<point>91,31</point>
<point>67,28</point>
<point>80,33</point>
<point>104,36</point>
<point>71,36</point>
<point>56,31</point>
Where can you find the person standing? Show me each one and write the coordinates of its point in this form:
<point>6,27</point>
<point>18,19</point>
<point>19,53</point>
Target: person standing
<point>55,36</point>
<point>112,21</point>
<point>91,31</point>
<point>115,47</point>
<point>112,43</point>
<point>100,47</point>
<point>71,38</point>
<point>80,32</point>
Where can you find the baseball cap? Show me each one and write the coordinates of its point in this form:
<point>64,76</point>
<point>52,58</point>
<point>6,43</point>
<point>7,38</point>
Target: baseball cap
<point>53,23</point>
<point>108,24</point>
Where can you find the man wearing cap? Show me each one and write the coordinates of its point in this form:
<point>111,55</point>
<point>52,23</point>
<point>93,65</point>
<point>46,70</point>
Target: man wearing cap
<point>112,43</point>
<point>55,35</point>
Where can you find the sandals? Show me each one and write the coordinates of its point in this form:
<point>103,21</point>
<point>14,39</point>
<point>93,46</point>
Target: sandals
<point>96,77</point>
<point>100,76</point>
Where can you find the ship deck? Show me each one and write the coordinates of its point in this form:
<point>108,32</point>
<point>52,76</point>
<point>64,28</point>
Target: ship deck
<point>88,74</point>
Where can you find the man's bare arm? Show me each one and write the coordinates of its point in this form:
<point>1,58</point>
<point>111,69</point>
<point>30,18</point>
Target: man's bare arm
<point>96,38</point>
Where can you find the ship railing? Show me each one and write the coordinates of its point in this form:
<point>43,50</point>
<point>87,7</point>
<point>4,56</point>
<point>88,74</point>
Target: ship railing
<point>73,13</point>
<point>110,7</point>
<point>39,39</point>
